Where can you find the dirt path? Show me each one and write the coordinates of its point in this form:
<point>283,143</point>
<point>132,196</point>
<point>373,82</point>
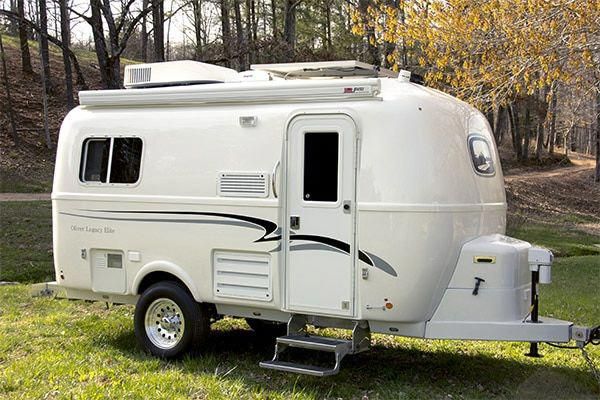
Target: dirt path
<point>566,196</point>
<point>528,175</point>
<point>24,196</point>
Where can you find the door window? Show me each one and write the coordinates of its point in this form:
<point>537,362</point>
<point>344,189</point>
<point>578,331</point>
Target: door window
<point>321,151</point>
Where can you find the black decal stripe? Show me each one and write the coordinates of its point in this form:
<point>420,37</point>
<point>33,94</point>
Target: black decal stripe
<point>338,244</point>
<point>268,226</point>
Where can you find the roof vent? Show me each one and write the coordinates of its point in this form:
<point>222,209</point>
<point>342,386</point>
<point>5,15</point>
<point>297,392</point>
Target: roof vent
<point>138,74</point>
<point>325,69</point>
<point>176,73</point>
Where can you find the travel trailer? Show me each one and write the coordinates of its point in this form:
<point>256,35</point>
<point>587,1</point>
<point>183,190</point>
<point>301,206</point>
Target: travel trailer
<point>333,194</point>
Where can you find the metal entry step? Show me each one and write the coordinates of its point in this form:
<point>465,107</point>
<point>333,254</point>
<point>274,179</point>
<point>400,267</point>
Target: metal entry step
<point>298,338</point>
<point>287,366</point>
<point>319,343</point>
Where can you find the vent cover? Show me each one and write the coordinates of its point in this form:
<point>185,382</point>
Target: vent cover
<point>242,275</point>
<point>243,184</point>
<point>138,75</point>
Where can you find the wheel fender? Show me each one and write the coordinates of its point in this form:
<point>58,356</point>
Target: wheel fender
<point>165,266</point>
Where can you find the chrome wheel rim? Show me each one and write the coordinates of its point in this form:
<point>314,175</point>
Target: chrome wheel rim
<point>164,323</point>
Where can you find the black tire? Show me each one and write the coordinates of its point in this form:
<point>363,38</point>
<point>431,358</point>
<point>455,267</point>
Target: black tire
<point>267,329</point>
<point>193,328</point>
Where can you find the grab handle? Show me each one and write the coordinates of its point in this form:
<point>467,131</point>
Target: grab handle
<point>274,178</point>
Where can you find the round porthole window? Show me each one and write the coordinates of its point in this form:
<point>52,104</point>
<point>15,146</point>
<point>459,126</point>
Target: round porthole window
<point>481,155</point>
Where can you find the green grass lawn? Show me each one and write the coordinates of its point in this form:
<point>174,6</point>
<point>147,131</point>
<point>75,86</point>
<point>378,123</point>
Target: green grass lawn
<point>72,349</point>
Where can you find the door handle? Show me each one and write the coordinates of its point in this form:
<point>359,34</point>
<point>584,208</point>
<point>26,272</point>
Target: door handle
<point>294,222</point>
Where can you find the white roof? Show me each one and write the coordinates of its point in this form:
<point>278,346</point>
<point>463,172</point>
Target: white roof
<point>325,69</point>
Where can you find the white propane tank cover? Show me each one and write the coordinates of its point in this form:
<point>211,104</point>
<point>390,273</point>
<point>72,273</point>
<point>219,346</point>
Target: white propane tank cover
<point>404,75</point>
<point>537,257</point>
<point>545,276</point>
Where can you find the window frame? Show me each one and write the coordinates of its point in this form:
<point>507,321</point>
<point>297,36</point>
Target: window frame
<point>471,138</point>
<point>340,143</point>
<point>83,162</point>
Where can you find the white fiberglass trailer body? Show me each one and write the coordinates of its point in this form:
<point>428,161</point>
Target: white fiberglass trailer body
<point>359,201</point>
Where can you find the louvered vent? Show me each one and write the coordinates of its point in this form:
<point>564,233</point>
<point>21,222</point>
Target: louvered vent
<point>242,275</point>
<point>243,184</point>
<point>137,75</point>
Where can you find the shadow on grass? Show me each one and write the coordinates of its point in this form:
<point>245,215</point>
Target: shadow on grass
<point>383,370</point>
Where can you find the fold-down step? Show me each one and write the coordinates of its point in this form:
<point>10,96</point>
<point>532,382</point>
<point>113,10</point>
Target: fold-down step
<point>316,343</point>
<point>339,347</point>
<point>298,368</point>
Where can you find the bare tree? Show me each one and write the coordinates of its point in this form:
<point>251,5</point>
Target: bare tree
<point>45,53</point>
<point>25,55</point>
<point>597,175</point>
<point>15,17</point>
<point>198,30</point>
<point>241,50</point>
<point>144,33</point>
<point>11,115</point>
<point>64,35</point>
<point>158,19</point>
<point>226,32</point>
<point>289,27</point>
<point>119,30</point>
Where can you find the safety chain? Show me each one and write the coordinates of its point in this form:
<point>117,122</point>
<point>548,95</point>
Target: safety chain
<point>591,364</point>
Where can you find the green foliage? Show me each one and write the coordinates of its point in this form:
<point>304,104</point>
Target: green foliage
<point>10,182</point>
<point>26,241</point>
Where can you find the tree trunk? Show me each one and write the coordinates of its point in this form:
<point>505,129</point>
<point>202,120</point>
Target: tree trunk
<point>158,18</point>
<point>500,123</point>
<point>43,21</point>
<point>99,43</point>
<point>274,19</point>
<point>9,109</point>
<point>552,126</point>
<point>527,138</point>
<point>249,29</point>
<point>12,27</point>
<point>114,72</point>
<point>226,32</point>
<point>289,28</point>
<point>197,9</point>
<point>515,129</point>
<point>597,177</point>
<point>44,95</point>
<point>25,55</point>
<point>328,45</point>
<point>144,33</point>
<point>239,31</point>
<point>64,35</point>
<point>539,145</point>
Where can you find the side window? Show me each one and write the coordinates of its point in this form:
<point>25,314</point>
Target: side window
<point>94,163</point>
<point>321,166</point>
<point>481,155</point>
<point>111,160</point>
<point>126,160</point>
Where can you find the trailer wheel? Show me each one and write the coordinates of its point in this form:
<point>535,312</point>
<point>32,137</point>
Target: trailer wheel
<point>267,329</point>
<point>168,321</point>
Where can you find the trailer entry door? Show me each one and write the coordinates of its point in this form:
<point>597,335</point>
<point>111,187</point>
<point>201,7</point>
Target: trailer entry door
<point>320,199</point>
